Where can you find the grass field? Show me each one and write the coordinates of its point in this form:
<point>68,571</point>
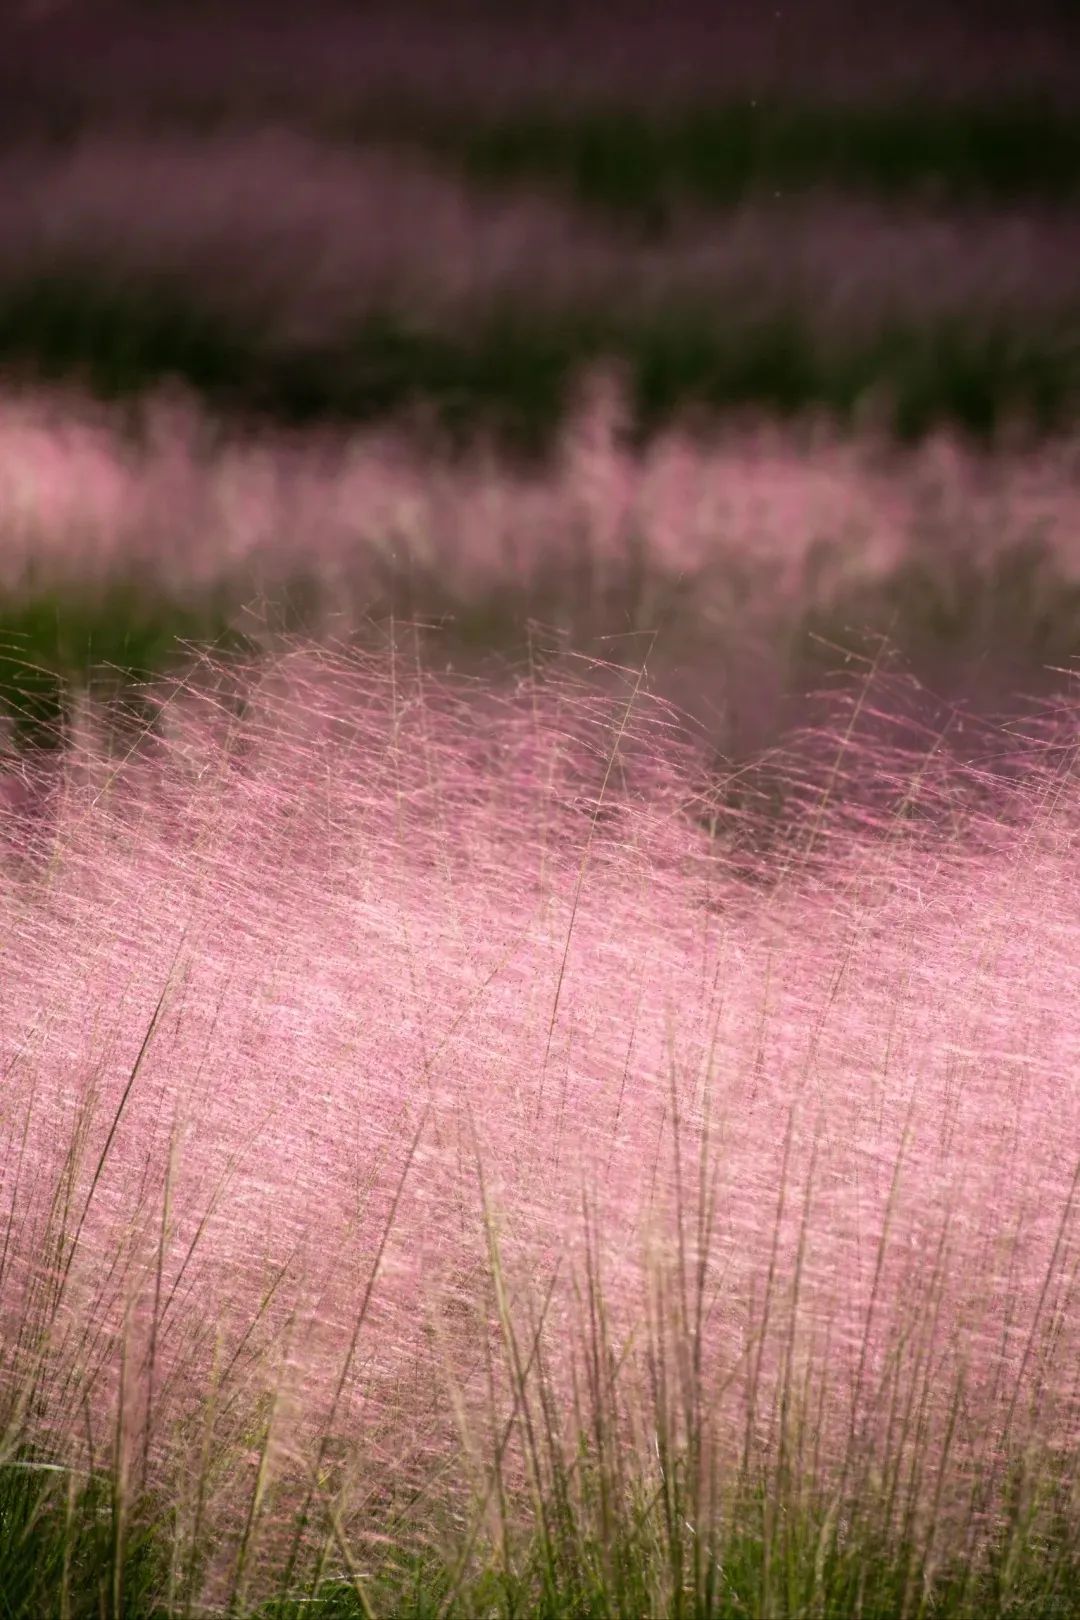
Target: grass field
<point>539,617</point>
<point>464,1168</point>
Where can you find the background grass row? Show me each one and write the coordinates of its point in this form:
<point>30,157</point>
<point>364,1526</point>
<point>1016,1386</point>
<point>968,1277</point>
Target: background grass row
<point>981,635</point>
<point>640,162</point>
<point>713,156</point>
<point>512,369</point>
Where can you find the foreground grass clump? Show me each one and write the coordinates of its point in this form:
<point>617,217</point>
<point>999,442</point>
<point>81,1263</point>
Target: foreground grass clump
<point>457,1161</point>
<point>64,1550</point>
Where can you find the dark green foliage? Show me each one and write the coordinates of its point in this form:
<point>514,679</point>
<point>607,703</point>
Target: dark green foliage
<point>637,163</point>
<point>511,367</point>
<point>416,1587</point>
<point>117,335</point>
<point>60,1552</point>
<point>116,642</point>
<point>63,1550</point>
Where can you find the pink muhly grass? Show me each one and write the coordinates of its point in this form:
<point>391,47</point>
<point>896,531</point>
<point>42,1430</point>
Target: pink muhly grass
<point>751,560</point>
<point>266,224</point>
<point>423,1125</point>
<point>755,514</point>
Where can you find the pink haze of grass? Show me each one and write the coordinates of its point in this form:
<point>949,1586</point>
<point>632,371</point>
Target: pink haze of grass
<point>306,237</point>
<point>188,504</point>
<point>733,549</point>
<point>840,1096</point>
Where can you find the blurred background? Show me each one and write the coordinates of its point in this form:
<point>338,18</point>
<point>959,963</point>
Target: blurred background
<point>747,331</point>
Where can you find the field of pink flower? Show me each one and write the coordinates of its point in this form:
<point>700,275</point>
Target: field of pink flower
<point>755,562</point>
<point>192,501</point>
<point>267,223</point>
<point>539,810</point>
<point>448,1156</point>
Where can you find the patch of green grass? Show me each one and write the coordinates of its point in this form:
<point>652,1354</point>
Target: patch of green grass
<point>65,1550</point>
<point>61,1554</point>
<point>54,644</point>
